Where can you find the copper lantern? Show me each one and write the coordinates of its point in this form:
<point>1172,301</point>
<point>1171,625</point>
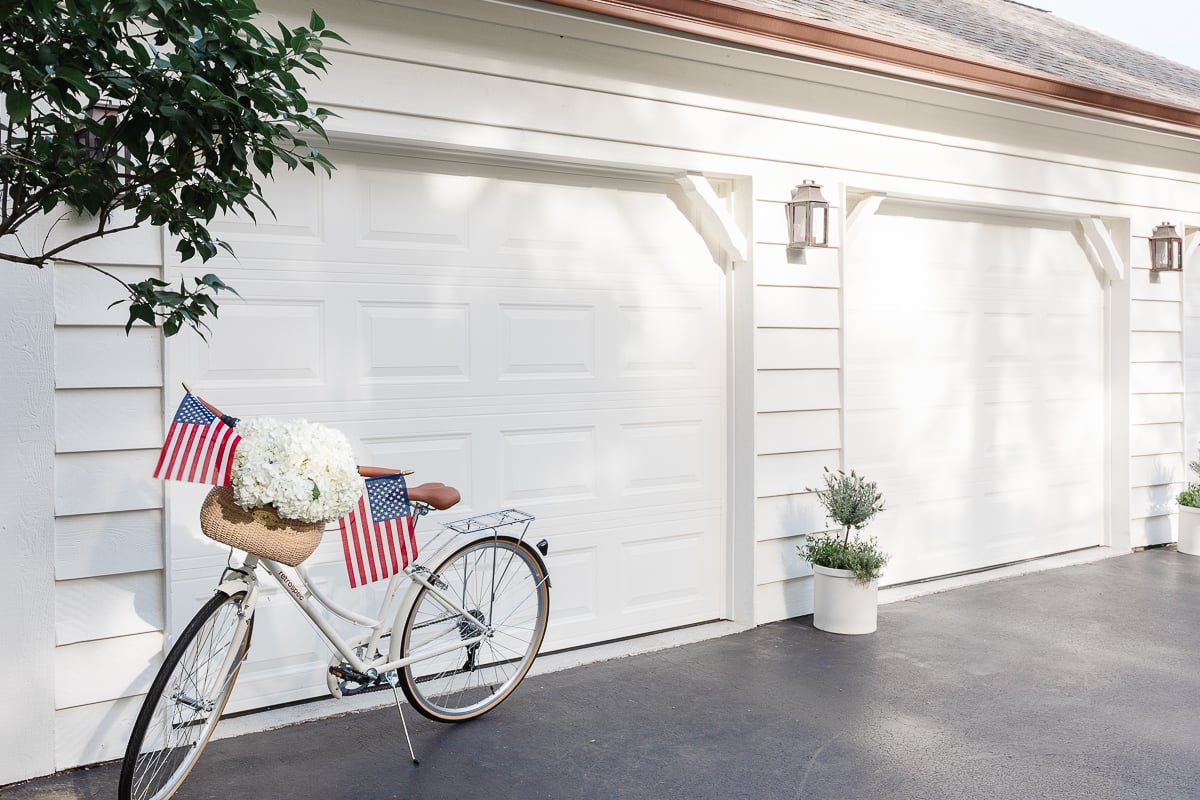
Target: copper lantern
<point>807,217</point>
<point>1166,249</point>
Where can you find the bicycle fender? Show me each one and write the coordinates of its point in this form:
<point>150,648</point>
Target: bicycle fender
<point>231,586</point>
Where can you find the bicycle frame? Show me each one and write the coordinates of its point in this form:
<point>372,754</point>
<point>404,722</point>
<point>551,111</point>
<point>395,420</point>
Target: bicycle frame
<point>244,578</point>
<point>247,581</point>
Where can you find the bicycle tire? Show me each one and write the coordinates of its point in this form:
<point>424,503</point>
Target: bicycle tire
<point>502,583</point>
<point>185,701</point>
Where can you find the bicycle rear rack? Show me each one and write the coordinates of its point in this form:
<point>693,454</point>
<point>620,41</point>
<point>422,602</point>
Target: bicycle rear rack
<point>486,522</point>
<point>478,525</point>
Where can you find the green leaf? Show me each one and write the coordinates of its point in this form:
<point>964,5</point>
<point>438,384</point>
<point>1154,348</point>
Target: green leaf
<point>18,106</point>
<point>143,312</point>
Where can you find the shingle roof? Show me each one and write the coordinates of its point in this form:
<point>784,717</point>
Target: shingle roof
<point>1009,34</point>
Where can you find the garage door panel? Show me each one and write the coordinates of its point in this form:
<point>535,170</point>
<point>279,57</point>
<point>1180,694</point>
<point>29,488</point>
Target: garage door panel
<point>667,456</point>
<point>974,387</point>
<point>640,571</point>
<point>413,342</point>
<point>273,340</point>
<point>543,340</point>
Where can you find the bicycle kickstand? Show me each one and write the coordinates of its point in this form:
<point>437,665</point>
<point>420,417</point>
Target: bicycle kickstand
<point>392,681</point>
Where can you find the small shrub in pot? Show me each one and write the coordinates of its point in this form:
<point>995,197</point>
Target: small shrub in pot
<point>851,501</point>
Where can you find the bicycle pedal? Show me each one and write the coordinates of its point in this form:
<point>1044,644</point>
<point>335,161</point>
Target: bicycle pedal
<point>345,673</point>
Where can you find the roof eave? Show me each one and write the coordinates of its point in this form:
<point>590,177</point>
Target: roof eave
<point>796,36</point>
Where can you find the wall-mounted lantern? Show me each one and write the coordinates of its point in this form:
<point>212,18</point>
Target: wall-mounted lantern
<point>807,217</point>
<point>1166,249</point>
<point>97,114</point>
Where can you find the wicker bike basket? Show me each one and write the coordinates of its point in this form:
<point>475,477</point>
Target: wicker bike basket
<point>259,532</point>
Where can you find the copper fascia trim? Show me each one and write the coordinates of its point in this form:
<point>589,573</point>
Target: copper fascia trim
<point>792,35</point>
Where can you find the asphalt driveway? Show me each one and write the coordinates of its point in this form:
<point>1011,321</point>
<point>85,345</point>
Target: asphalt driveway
<point>1080,682</point>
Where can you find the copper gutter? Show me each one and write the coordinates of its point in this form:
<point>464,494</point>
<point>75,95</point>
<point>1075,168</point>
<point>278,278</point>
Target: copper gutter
<point>793,35</point>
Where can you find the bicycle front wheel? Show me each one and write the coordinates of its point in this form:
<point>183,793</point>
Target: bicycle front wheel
<point>185,700</point>
<point>503,586</point>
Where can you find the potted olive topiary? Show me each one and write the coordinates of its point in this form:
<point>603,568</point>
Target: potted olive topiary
<point>1189,514</point>
<point>845,565</point>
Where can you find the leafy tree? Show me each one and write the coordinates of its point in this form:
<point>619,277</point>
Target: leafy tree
<point>167,112</point>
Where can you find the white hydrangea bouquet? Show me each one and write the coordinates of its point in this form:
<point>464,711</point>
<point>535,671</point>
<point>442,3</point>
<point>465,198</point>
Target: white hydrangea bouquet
<point>304,470</point>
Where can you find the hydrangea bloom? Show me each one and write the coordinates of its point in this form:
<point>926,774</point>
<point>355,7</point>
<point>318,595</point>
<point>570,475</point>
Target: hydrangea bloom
<point>306,471</point>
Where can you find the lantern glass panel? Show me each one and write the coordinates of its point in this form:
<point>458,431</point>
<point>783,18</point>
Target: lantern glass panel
<point>799,225</point>
<point>819,231</point>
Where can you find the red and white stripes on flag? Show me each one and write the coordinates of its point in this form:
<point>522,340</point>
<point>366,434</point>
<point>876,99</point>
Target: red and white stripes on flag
<point>379,535</point>
<point>199,446</point>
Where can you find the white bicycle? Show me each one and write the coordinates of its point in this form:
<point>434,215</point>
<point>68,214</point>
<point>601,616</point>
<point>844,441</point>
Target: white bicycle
<point>463,636</point>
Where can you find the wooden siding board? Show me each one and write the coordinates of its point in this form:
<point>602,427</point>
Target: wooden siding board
<point>787,515</point>
<point>1153,408</point>
<point>777,560</point>
<point>775,265</point>
<point>1146,531</point>
<point>792,473</point>
<point>1147,346</point>
<point>93,483</point>
<point>82,296</point>
<point>796,307</point>
<point>107,419</point>
<point>1159,469</point>
<point>783,600</point>
<point>797,431</point>
<point>1147,440</point>
<point>797,390</point>
<point>1162,286</point>
<point>1152,501</point>
<point>1154,315</point>
<point>1156,378</point>
<point>109,606</point>
<point>84,357</point>
<point>90,545</point>
<point>105,669</point>
<point>94,733</point>
<point>782,348</point>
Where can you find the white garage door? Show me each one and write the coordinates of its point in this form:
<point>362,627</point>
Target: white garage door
<point>545,341</point>
<point>975,389</point>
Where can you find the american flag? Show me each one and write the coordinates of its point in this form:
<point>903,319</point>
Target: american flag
<point>199,446</point>
<point>378,536</point>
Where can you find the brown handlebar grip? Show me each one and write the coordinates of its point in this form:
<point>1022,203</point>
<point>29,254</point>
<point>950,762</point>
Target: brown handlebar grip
<point>379,472</point>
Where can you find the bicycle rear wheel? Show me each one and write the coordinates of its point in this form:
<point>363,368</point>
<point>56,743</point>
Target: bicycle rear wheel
<point>502,584</point>
<point>185,700</point>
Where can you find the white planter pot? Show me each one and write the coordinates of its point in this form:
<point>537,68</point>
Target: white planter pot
<point>1189,530</point>
<point>843,605</point>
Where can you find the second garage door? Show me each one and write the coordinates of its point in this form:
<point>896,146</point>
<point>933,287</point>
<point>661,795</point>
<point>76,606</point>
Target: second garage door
<point>975,387</point>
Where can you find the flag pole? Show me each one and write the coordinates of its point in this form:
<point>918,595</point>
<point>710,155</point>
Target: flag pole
<point>215,411</point>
